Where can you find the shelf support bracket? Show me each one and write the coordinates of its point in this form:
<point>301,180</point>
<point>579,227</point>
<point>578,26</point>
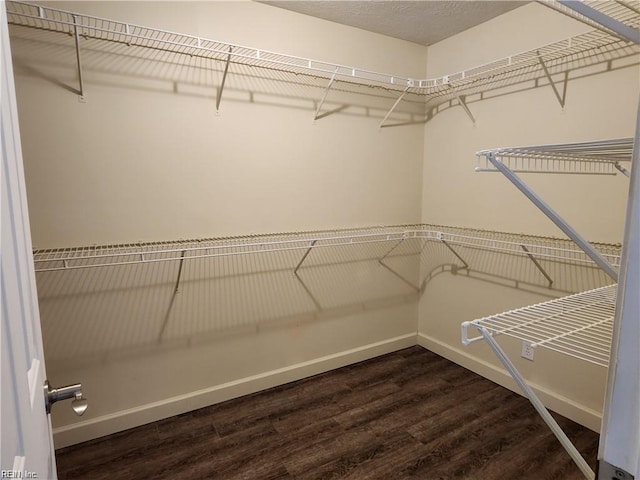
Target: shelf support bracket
<point>628,33</point>
<point>551,82</point>
<point>538,405</point>
<point>324,96</point>
<point>404,280</point>
<point>622,169</point>
<point>537,264</point>
<point>304,257</point>
<point>391,250</point>
<point>224,79</point>
<point>463,104</point>
<point>165,320</point>
<point>589,249</point>
<point>404,92</point>
<point>76,36</point>
<point>304,286</point>
<point>177,289</point>
<point>466,265</point>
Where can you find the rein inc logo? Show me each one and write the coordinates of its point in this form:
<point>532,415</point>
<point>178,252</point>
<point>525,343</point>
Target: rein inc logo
<point>18,474</point>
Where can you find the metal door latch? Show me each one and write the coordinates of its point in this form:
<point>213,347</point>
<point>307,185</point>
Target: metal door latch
<point>53,395</point>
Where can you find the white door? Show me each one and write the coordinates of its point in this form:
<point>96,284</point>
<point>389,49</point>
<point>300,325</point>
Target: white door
<point>27,444</point>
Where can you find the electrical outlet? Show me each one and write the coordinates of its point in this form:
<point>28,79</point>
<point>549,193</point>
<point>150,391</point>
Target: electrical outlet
<point>527,350</point>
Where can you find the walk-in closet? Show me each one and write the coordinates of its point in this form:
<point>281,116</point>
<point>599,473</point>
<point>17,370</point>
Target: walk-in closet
<point>252,217</point>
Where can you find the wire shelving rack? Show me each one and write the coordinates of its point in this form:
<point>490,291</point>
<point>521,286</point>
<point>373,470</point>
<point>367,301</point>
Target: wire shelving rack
<point>584,158</point>
<point>598,13</point>
<point>543,62</point>
<point>58,259</point>
<point>577,325</point>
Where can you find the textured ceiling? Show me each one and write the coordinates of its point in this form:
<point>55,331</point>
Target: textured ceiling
<point>420,21</point>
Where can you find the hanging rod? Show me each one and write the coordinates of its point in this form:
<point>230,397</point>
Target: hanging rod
<point>471,80</point>
<point>582,158</point>
<point>106,256</point>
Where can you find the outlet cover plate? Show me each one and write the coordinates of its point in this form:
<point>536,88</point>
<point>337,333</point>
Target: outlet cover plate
<point>528,351</point>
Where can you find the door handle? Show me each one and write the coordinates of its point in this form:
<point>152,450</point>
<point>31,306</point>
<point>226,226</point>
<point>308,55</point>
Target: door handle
<point>53,395</point>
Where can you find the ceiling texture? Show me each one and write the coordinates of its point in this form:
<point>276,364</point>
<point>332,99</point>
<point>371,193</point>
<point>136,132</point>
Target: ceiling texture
<point>423,22</point>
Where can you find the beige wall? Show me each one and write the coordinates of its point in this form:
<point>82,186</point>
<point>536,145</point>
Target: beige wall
<point>140,162</point>
<point>597,107</point>
<point>148,158</point>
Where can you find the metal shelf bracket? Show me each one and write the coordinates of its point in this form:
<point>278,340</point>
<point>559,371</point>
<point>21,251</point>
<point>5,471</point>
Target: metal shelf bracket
<point>589,249</point>
<point>224,79</point>
<point>463,104</point>
<point>466,265</point>
<point>404,92</point>
<point>76,36</point>
<point>324,96</point>
<point>538,405</point>
<point>537,264</point>
<point>560,98</point>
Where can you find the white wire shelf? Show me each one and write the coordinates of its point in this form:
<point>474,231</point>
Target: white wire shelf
<point>627,12</point>
<point>578,325</point>
<point>47,260</point>
<point>585,158</point>
<point>582,50</point>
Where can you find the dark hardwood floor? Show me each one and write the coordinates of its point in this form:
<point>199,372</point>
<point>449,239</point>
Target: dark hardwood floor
<point>406,415</point>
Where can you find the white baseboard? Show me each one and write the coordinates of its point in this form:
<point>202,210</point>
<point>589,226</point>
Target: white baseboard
<point>134,417</point>
<point>578,413</point>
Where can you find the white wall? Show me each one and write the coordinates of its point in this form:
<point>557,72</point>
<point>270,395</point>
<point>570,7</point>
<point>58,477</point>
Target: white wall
<point>597,107</point>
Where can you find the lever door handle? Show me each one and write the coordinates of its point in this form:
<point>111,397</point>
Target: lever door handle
<point>53,395</point>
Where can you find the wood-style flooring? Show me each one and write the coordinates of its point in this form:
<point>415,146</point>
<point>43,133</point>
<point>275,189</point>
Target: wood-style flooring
<point>406,415</point>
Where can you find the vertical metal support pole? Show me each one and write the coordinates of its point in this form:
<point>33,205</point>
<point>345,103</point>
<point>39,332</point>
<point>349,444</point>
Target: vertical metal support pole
<point>179,272</point>
<point>589,249</point>
<point>393,107</point>
<point>620,432</point>
<point>538,405</point>
<point>463,104</point>
<point>76,35</point>
<point>537,264</point>
<point>551,82</point>
<point>224,79</point>
<point>466,265</point>
<point>326,92</point>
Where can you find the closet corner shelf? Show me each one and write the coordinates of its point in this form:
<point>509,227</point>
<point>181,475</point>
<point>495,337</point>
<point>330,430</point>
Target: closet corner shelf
<point>583,158</point>
<point>578,325</point>
<point>579,51</point>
